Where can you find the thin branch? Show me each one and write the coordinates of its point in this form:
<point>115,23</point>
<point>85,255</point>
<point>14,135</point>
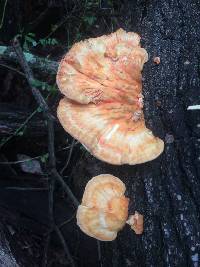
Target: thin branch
<point>54,175</point>
<point>51,200</point>
<point>33,24</point>
<point>58,25</point>
<point>50,119</point>
<point>3,15</point>
<point>30,79</point>
<point>4,141</point>
<point>67,221</point>
<point>36,157</point>
<point>21,161</point>
<point>51,218</point>
<point>99,253</point>
<point>46,247</point>
<point>65,247</point>
<point>51,149</point>
<point>65,187</point>
<point>11,68</point>
<point>61,22</point>
<point>26,188</point>
<point>69,157</point>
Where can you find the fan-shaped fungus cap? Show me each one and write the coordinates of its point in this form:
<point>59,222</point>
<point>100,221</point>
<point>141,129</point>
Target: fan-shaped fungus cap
<point>136,222</point>
<point>102,83</point>
<point>104,208</point>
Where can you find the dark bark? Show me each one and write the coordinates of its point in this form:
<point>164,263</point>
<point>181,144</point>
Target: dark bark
<point>166,190</point>
<point>7,259</point>
<point>12,252</point>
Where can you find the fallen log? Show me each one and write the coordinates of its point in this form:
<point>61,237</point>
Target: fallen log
<point>41,64</point>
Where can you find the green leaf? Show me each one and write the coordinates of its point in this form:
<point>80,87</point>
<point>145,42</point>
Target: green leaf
<point>39,109</point>
<point>42,42</point>
<point>89,20</point>
<point>44,158</point>
<point>54,41</point>
<point>30,40</point>
<point>31,34</point>
<point>78,36</point>
<point>51,88</point>
<point>44,86</point>
<point>36,83</point>
<point>20,133</point>
<point>49,41</point>
<point>25,46</point>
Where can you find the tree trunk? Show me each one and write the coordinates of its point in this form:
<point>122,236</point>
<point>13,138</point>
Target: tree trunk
<point>166,190</point>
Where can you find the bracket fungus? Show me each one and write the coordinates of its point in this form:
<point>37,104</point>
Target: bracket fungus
<point>102,108</point>
<point>104,208</point>
<point>136,222</point>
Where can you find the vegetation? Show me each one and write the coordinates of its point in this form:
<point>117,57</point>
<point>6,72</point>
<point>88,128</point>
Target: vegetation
<point>46,30</point>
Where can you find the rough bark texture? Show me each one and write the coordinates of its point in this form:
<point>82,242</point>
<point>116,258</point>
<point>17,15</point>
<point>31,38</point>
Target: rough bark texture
<point>12,252</point>
<point>167,190</point>
<point>6,257</point>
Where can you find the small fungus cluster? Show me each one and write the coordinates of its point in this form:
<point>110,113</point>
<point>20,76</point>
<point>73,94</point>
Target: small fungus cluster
<point>101,81</point>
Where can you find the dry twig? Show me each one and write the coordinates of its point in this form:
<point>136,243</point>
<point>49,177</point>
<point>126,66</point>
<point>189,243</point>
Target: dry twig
<point>54,175</point>
<point>69,157</point>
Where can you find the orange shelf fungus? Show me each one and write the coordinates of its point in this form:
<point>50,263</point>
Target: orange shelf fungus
<point>104,208</point>
<point>136,222</point>
<point>156,60</point>
<point>102,108</point>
